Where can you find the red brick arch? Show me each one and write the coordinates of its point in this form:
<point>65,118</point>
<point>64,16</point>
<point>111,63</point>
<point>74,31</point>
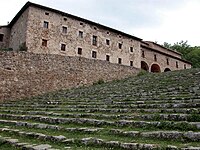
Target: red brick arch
<point>155,68</point>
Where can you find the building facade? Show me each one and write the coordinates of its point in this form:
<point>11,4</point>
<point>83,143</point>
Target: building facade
<point>49,31</point>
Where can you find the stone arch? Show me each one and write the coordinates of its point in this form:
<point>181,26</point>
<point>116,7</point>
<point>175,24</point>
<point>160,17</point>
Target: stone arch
<point>167,69</point>
<point>155,68</point>
<point>144,66</point>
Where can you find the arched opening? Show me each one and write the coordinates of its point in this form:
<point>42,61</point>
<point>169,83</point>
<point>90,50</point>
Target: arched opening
<point>155,68</point>
<point>144,66</point>
<point>167,69</point>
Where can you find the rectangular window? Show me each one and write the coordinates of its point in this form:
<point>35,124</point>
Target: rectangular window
<point>143,55</point>
<point>167,61</point>
<point>80,51</point>
<point>185,66</point>
<point>155,57</point>
<point>131,63</point>
<point>80,34</point>
<point>63,47</point>
<point>107,58</point>
<point>119,61</point>
<point>44,42</point>
<point>46,13</point>
<point>120,45</point>
<point>94,54</point>
<point>46,24</point>
<point>94,40</point>
<point>1,37</point>
<point>131,49</point>
<point>64,29</point>
<point>107,42</point>
<point>176,64</point>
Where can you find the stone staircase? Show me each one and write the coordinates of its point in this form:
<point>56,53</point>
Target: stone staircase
<point>153,111</point>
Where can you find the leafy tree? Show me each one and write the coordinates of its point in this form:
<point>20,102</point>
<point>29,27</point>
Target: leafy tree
<point>191,54</point>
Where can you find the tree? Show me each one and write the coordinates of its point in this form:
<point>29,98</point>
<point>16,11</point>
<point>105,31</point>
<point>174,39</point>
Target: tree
<point>191,54</point>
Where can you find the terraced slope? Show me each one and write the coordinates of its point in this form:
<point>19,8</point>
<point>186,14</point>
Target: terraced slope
<point>154,111</point>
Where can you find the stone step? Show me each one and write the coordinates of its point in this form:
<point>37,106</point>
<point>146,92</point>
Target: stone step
<point>162,105</point>
<point>25,146</point>
<point>169,135</point>
<point>119,123</point>
<point>155,117</point>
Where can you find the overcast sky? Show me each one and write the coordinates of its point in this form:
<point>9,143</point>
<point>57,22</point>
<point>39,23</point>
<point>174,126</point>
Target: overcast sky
<point>152,20</point>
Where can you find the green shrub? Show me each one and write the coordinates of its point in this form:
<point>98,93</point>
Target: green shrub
<point>142,72</point>
<point>100,81</point>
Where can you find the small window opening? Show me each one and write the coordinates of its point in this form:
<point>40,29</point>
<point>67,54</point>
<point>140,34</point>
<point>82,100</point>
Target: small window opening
<point>63,47</point>
<point>94,40</point>
<point>80,51</point>
<point>131,49</point>
<point>120,45</point>
<point>44,42</point>
<point>143,54</point>
<point>119,61</point>
<point>94,54</point>
<point>131,63</point>
<point>176,64</point>
<point>107,58</point>
<point>155,57</point>
<point>46,13</point>
<point>107,42</point>
<point>46,24</point>
<point>64,29</point>
<point>80,34</point>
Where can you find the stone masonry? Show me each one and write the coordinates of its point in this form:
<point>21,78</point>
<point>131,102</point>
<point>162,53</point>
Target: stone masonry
<point>27,74</point>
<point>48,31</point>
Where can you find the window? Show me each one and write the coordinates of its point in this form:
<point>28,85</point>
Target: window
<point>155,57</point>
<point>46,24</point>
<point>185,66</point>
<point>65,19</point>
<point>63,47</point>
<point>95,28</point>
<point>176,64</point>
<point>107,42</point>
<point>131,63</point>
<point>107,58</point>
<point>44,42</point>
<point>120,45</point>
<point>94,54</point>
<point>46,13</point>
<point>80,51</point>
<point>80,34</point>
<point>119,61</point>
<point>131,49</point>
<point>167,61</point>
<point>1,37</point>
<point>64,29</point>
<point>143,55</point>
<point>81,23</point>
<point>94,40</point>
<point>108,32</point>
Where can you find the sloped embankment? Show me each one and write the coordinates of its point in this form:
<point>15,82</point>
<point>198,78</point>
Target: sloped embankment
<point>154,111</point>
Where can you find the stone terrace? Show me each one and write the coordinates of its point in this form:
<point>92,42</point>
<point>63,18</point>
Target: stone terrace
<point>153,111</point>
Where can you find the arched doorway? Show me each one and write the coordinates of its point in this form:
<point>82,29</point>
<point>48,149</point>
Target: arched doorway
<point>155,68</point>
<point>167,69</point>
<point>144,66</point>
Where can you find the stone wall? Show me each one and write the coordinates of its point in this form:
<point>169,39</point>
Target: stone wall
<point>162,61</point>
<point>6,35</point>
<point>19,31</point>
<point>26,74</point>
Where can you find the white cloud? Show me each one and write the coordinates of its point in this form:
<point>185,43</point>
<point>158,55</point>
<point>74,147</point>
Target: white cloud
<point>155,20</point>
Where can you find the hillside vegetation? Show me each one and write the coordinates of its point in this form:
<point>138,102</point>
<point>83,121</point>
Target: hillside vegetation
<point>152,111</point>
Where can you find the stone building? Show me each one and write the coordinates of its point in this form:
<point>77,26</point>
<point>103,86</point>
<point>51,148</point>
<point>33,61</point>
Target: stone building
<point>45,30</point>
